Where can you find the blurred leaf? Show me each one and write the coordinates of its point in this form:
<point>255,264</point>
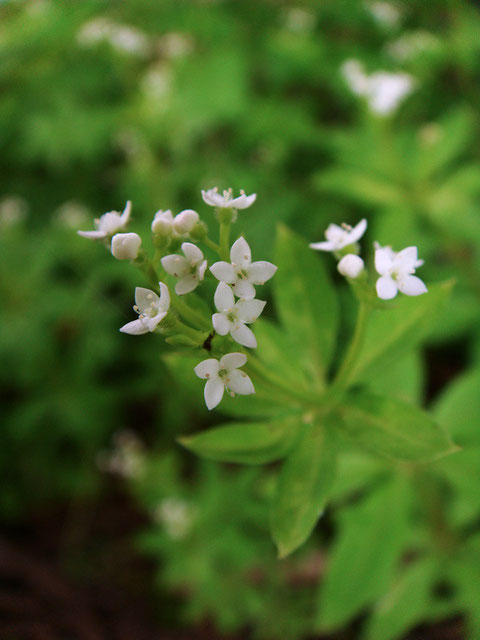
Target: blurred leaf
<point>357,184</point>
<point>458,408</point>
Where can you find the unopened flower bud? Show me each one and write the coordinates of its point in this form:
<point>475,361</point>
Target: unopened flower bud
<point>185,221</point>
<point>351,266</point>
<point>163,223</point>
<point>125,246</point>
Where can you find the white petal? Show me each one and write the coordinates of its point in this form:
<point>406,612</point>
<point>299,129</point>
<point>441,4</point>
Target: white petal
<point>357,232</point>
<point>93,235</point>
<point>192,252</point>
<point>221,324</point>
<point>175,265</point>
<point>164,304</point>
<point>239,382</point>
<point>135,328</point>
<point>244,289</point>
<point>243,201</point>
<point>386,288</point>
<point>125,216</point>
<point>243,335</point>
<point>207,368</point>
<point>232,361</point>
<point>213,198</point>
<point>152,322</point>
<point>201,270</point>
<point>213,392</point>
<point>240,254</point>
<point>412,286</point>
<point>323,246</point>
<point>186,284</point>
<point>223,271</point>
<point>249,310</point>
<point>383,260</point>
<point>261,271</point>
<point>144,298</point>
<point>223,297</point>
<point>407,259</point>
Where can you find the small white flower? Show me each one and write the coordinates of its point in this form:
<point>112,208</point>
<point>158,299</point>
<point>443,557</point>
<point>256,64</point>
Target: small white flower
<point>232,318</point>
<point>340,237</point>
<point>125,246</point>
<point>224,373</point>
<point>396,271</point>
<point>227,201</point>
<point>242,274</point>
<point>384,13</point>
<point>190,269</point>
<point>163,222</point>
<point>351,266</point>
<point>185,221</point>
<point>109,224</point>
<point>151,310</point>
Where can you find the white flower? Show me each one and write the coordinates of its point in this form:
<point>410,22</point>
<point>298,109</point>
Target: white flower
<point>384,13</point>
<point>351,266</point>
<point>151,310</point>
<point>163,222</point>
<point>224,373</point>
<point>125,246</point>
<point>227,201</point>
<point>340,237</point>
<point>233,318</point>
<point>185,221</point>
<point>396,271</point>
<point>109,224</point>
<point>242,274</point>
<point>190,269</point>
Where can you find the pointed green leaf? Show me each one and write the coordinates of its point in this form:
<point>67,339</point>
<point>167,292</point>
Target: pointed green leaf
<point>362,561</point>
<point>400,326</point>
<point>302,489</point>
<point>306,302</point>
<point>392,428</point>
<point>458,408</point>
<point>246,442</point>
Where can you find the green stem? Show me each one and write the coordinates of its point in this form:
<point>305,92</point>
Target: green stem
<point>342,378</point>
<point>224,250</point>
<point>198,336</point>
<point>213,245</point>
<point>189,314</point>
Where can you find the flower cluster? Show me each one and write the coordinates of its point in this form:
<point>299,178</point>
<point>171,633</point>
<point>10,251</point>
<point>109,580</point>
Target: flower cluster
<point>235,296</point>
<point>396,269</point>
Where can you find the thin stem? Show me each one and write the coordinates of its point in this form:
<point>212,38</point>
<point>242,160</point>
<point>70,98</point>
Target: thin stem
<point>210,243</point>
<point>225,240</point>
<point>343,374</point>
<point>189,314</point>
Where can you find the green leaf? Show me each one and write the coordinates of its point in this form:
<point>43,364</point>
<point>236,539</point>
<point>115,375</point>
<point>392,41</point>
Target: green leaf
<point>400,326</point>
<point>458,408</point>
<point>371,538</point>
<point>360,186</point>
<point>306,302</point>
<point>405,605</point>
<point>302,489</point>
<point>403,379</point>
<point>392,428</point>
<point>246,442</point>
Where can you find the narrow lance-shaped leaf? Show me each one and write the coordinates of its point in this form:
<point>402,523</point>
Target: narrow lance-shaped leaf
<point>246,442</point>
<point>392,428</point>
<point>303,489</point>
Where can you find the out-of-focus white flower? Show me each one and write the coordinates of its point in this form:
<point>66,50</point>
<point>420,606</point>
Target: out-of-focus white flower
<point>227,201</point>
<point>300,20</point>
<point>151,310</point>
<point>232,318</point>
<point>175,45</point>
<point>72,214</point>
<point>125,246</point>
<point>242,274</point>
<point>176,516</point>
<point>383,91</point>
<point>127,457</point>
<point>185,221</point>
<point>384,13</point>
<point>396,271</point>
<point>163,222</point>
<point>13,210</point>
<point>351,266</point>
<point>121,37</point>
<point>157,83</point>
<point>338,238</point>
<point>411,45</point>
<point>189,269</point>
<point>224,373</point>
<point>109,224</point>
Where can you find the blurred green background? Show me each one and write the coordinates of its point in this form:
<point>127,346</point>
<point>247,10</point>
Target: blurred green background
<point>101,102</point>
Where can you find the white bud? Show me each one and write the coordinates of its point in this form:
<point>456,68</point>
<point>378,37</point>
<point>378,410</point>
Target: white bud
<point>185,221</point>
<point>351,265</point>
<point>163,223</point>
<point>125,246</point>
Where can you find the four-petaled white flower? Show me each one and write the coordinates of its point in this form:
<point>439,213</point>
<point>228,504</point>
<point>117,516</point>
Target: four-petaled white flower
<point>233,318</point>
<point>242,273</point>
<point>109,224</point>
<point>224,373</point>
<point>190,269</point>
<point>151,310</point>
<point>227,201</point>
<point>338,238</point>
<point>396,271</point>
